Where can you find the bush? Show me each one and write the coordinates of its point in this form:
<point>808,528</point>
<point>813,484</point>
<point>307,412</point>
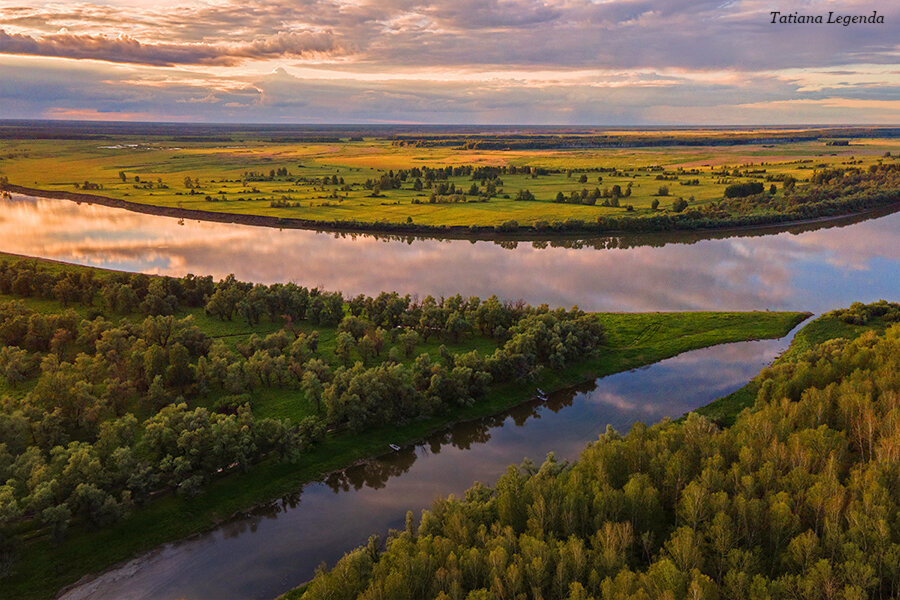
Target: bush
<point>742,190</point>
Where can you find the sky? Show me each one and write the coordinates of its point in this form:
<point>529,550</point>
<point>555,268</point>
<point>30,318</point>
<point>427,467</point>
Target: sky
<point>578,62</point>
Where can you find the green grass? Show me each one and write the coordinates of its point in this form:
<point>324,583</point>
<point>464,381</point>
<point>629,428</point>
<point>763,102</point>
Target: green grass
<point>58,165</point>
<point>634,340</point>
<point>827,327</point>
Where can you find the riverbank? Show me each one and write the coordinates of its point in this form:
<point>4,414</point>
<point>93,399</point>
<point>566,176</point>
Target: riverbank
<point>633,340</point>
<point>678,223</point>
<point>812,407</point>
<point>650,351</point>
<point>725,410</point>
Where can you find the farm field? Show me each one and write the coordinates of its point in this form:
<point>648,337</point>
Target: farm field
<point>382,183</point>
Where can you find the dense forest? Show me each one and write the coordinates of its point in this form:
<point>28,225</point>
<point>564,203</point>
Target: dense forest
<point>798,499</point>
<point>110,406</point>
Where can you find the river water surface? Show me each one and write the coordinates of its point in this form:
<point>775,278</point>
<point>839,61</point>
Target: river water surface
<point>817,269</point>
<point>814,268</point>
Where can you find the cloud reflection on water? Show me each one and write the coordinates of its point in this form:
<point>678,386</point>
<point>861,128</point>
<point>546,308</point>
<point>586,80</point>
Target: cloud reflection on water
<point>763,272</point>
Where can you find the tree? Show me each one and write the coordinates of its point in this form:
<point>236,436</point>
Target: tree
<point>178,372</point>
<point>95,505</point>
<point>223,302</point>
<point>663,190</point>
<point>56,518</point>
<point>679,205</point>
<point>524,195</point>
<point>158,300</point>
<point>344,347</point>
<point>354,326</point>
<point>654,204</point>
<point>157,397</point>
<point>252,305</point>
<point>408,340</point>
<point>312,389</point>
<point>15,365</point>
<point>366,348</point>
<point>742,190</point>
<point>155,362</point>
<point>65,291</point>
<point>456,326</point>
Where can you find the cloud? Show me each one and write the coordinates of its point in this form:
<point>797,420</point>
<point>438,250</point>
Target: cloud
<point>38,87</point>
<point>706,34</point>
<point>125,49</point>
<point>451,61</point>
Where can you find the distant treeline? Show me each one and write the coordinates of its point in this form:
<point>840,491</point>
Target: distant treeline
<point>482,136</point>
<point>636,139</point>
<point>829,193</point>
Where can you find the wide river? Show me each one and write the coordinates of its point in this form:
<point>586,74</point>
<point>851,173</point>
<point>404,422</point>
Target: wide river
<point>813,268</point>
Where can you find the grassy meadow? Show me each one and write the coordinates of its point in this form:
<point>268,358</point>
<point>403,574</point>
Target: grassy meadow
<point>297,180</point>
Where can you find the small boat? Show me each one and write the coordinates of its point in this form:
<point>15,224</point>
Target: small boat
<point>394,447</point>
<point>541,394</point>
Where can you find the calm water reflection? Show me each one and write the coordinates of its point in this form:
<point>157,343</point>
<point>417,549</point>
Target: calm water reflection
<point>816,270</point>
<point>280,545</point>
<point>812,268</point>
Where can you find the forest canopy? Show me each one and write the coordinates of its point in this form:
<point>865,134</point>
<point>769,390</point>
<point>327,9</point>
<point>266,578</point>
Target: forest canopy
<point>105,411</point>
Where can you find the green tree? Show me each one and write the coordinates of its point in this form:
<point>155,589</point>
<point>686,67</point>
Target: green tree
<point>679,205</point>
<point>343,347</point>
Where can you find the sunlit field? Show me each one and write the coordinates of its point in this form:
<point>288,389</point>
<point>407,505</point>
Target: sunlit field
<point>374,181</point>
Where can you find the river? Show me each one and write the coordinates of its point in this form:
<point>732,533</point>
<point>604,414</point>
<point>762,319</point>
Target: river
<point>816,268</point>
<point>278,546</point>
<point>806,268</point>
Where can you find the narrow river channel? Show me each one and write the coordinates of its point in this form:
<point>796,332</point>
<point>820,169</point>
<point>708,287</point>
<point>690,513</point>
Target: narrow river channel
<point>279,546</point>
